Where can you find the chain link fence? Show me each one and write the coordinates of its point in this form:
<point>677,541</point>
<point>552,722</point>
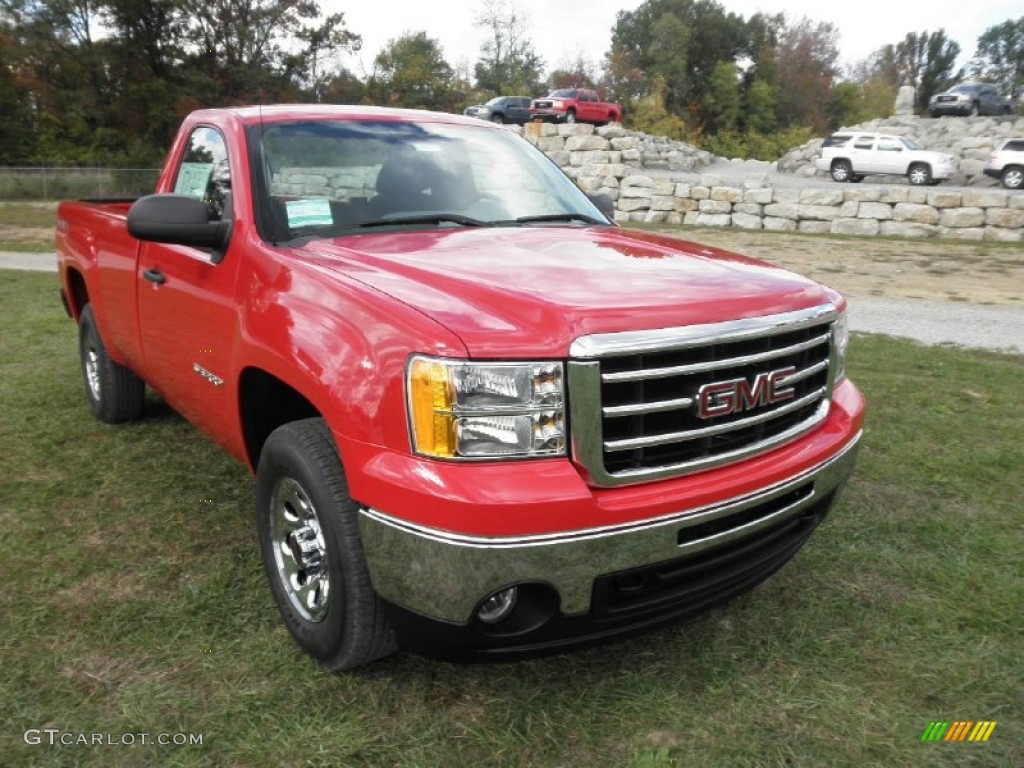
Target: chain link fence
<point>57,183</point>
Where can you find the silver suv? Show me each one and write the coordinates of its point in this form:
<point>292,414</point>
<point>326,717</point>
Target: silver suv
<point>850,156</point>
<point>1007,163</point>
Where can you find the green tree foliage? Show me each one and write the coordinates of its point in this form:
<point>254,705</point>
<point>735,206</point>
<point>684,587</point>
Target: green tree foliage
<point>924,60</point>
<point>724,104</point>
<point>650,115</point>
<point>1000,57</point>
<point>107,81</point>
<point>507,64</point>
<point>411,72</point>
<point>17,134</point>
<point>680,41</point>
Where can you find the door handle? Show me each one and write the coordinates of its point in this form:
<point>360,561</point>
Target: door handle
<point>155,276</point>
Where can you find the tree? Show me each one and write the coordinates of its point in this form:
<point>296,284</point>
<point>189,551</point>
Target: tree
<point>925,61</point>
<point>411,72</point>
<point>1000,57</point>
<point>805,62</point>
<point>680,41</point>
<point>724,104</point>
<point>578,73</point>
<point>507,64</point>
<point>17,137</point>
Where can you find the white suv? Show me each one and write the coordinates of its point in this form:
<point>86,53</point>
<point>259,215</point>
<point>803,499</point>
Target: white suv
<point>1007,163</point>
<point>852,156</point>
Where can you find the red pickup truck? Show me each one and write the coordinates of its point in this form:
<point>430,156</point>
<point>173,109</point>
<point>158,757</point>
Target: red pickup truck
<point>575,105</point>
<point>483,419</point>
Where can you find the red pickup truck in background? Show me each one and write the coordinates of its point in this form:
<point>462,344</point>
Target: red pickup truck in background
<point>575,105</point>
<point>483,419</point>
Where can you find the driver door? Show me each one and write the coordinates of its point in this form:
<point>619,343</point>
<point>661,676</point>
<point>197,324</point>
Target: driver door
<point>187,313</point>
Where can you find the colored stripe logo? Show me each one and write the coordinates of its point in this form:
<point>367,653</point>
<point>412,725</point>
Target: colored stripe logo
<point>959,730</point>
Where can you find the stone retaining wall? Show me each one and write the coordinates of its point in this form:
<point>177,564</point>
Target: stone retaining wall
<point>595,159</point>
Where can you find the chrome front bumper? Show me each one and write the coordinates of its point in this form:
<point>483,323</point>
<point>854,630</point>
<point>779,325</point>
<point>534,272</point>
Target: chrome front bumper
<point>445,576</point>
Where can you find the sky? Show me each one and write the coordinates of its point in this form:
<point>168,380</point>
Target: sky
<point>562,29</point>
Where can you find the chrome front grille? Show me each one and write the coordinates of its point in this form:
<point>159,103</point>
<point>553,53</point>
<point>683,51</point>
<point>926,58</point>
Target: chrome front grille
<point>654,404</point>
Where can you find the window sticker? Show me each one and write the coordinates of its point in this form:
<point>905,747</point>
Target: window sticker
<point>193,178</point>
<point>309,213</point>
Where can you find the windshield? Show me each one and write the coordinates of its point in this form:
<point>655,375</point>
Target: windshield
<point>911,144</point>
<point>565,93</point>
<point>963,89</point>
<point>327,178</point>
<point>495,101</point>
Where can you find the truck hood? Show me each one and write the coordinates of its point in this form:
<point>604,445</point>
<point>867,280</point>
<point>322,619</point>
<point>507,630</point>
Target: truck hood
<point>530,291</point>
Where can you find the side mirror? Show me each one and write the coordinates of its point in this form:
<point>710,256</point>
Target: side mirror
<point>177,220</point>
<point>604,203</point>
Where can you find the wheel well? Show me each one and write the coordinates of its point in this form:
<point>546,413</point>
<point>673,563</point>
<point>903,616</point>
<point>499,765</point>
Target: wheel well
<point>79,293</point>
<point>841,160</point>
<point>265,403</point>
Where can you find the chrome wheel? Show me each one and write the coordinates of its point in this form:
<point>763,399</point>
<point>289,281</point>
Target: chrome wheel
<point>1013,178</point>
<point>300,551</point>
<point>919,174</point>
<point>92,372</point>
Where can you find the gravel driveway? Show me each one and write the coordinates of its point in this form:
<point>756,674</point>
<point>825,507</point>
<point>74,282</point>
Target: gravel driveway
<point>998,328</point>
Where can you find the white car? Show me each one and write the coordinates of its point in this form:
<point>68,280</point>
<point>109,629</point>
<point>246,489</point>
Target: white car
<point>1007,163</point>
<point>852,156</point>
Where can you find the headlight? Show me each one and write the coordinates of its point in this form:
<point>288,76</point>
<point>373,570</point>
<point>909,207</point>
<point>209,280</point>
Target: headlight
<point>840,342</point>
<point>464,410</point>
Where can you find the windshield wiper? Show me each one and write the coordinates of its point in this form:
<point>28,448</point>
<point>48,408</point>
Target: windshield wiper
<point>560,217</point>
<point>423,218</point>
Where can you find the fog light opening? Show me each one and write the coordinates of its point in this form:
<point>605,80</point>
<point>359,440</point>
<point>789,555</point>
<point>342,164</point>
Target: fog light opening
<point>498,606</point>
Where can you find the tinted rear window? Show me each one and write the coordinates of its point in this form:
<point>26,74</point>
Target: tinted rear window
<point>837,139</point>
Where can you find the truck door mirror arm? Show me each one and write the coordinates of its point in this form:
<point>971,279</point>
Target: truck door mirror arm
<point>178,220</point>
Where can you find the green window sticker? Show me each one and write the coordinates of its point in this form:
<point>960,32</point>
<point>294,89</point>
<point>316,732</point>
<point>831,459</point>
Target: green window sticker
<point>309,213</point>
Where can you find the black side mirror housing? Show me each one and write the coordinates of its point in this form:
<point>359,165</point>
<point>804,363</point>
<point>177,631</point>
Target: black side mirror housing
<point>604,204</point>
<point>178,220</point>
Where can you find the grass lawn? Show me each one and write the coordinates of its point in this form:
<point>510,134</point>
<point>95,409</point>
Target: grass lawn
<point>134,602</point>
<point>27,227</point>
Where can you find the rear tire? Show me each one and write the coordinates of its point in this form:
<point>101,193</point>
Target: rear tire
<point>115,393</point>
<point>841,170</point>
<point>919,174</point>
<point>312,552</point>
<point>1013,177</point>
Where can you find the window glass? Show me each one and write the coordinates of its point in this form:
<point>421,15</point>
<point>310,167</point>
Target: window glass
<point>204,172</point>
<point>864,142</point>
<point>837,140</point>
<point>889,145</point>
<point>339,175</point>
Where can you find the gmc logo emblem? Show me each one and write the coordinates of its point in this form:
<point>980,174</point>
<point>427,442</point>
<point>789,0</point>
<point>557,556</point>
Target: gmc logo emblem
<point>738,395</point>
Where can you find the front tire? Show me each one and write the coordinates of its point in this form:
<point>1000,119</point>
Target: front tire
<point>115,393</point>
<point>570,116</point>
<point>919,174</point>
<point>975,110</point>
<point>1013,177</point>
<point>309,538</point>
<point>497,118</point>
<point>841,170</point>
